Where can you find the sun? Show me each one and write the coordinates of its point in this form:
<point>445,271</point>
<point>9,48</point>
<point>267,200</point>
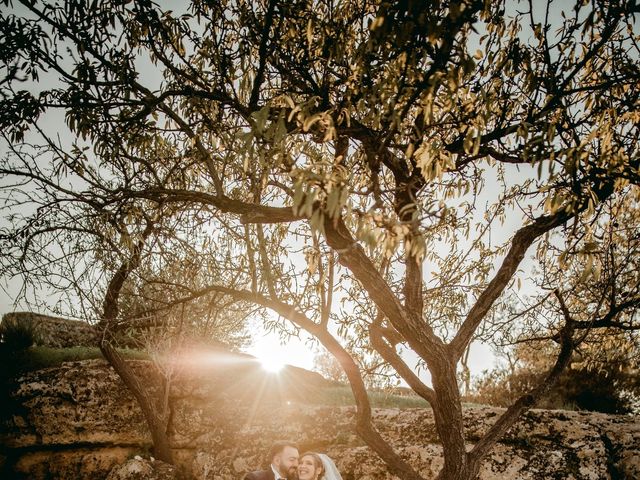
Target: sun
<point>271,363</point>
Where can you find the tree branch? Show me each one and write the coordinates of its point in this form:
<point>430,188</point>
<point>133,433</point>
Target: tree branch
<point>262,54</point>
<point>249,212</point>
<point>527,401</point>
<point>519,245</point>
<point>389,354</point>
<point>418,334</point>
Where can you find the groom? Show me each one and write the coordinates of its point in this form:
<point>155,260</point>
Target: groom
<point>284,463</point>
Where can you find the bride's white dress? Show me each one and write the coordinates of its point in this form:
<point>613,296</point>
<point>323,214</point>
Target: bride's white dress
<point>330,470</point>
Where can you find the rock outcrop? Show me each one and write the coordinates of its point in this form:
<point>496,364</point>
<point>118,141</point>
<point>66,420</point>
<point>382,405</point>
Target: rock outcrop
<point>53,332</point>
<point>78,421</point>
<point>139,468</point>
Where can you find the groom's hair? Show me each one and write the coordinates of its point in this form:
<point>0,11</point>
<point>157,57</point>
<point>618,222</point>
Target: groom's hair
<point>279,446</point>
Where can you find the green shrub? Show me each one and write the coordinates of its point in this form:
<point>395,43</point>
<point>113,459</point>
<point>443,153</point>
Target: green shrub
<point>606,391</point>
<point>17,334</point>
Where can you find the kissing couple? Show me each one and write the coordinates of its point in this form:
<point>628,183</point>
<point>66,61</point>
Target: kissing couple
<point>287,464</point>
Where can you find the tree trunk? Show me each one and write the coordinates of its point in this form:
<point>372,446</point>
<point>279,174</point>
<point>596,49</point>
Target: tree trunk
<point>157,425</point>
<point>447,411</point>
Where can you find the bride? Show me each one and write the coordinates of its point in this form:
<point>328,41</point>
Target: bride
<point>317,466</point>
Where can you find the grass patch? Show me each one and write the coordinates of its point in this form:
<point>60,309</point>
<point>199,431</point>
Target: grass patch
<point>342,396</point>
<point>36,358</point>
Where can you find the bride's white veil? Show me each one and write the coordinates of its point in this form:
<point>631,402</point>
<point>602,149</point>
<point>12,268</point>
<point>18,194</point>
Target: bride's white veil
<point>330,470</point>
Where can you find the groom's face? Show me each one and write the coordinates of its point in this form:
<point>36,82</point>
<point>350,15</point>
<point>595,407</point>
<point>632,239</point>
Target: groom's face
<point>287,462</point>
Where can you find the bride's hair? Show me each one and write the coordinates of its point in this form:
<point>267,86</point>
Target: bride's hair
<point>317,462</point>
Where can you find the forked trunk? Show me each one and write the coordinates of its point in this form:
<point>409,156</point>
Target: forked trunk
<point>157,426</point>
<point>447,412</point>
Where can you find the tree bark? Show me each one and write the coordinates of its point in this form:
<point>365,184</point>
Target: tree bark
<point>447,412</point>
<point>155,423</point>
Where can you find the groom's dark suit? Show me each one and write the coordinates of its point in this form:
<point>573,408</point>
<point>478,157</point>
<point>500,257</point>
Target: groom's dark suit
<point>260,475</point>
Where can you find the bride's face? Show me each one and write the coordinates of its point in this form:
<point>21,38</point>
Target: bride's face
<point>307,468</point>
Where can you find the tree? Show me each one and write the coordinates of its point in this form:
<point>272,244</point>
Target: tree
<point>602,374</point>
<point>343,152</point>
<point>91,249</point>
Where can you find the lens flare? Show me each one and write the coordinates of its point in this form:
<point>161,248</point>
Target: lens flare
<point>271,363</point>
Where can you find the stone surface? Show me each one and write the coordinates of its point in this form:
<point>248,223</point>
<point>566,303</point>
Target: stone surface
<point>55,332</point>
<point>139,468</point>
<point>76,463</point>
<point>78,421</point>
<point>77,403</point>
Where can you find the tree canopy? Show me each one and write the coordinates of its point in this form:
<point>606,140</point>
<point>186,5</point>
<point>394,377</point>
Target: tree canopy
<point>378,174</point>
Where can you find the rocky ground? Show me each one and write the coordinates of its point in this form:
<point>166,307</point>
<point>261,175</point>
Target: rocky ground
<point>79,421</point>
